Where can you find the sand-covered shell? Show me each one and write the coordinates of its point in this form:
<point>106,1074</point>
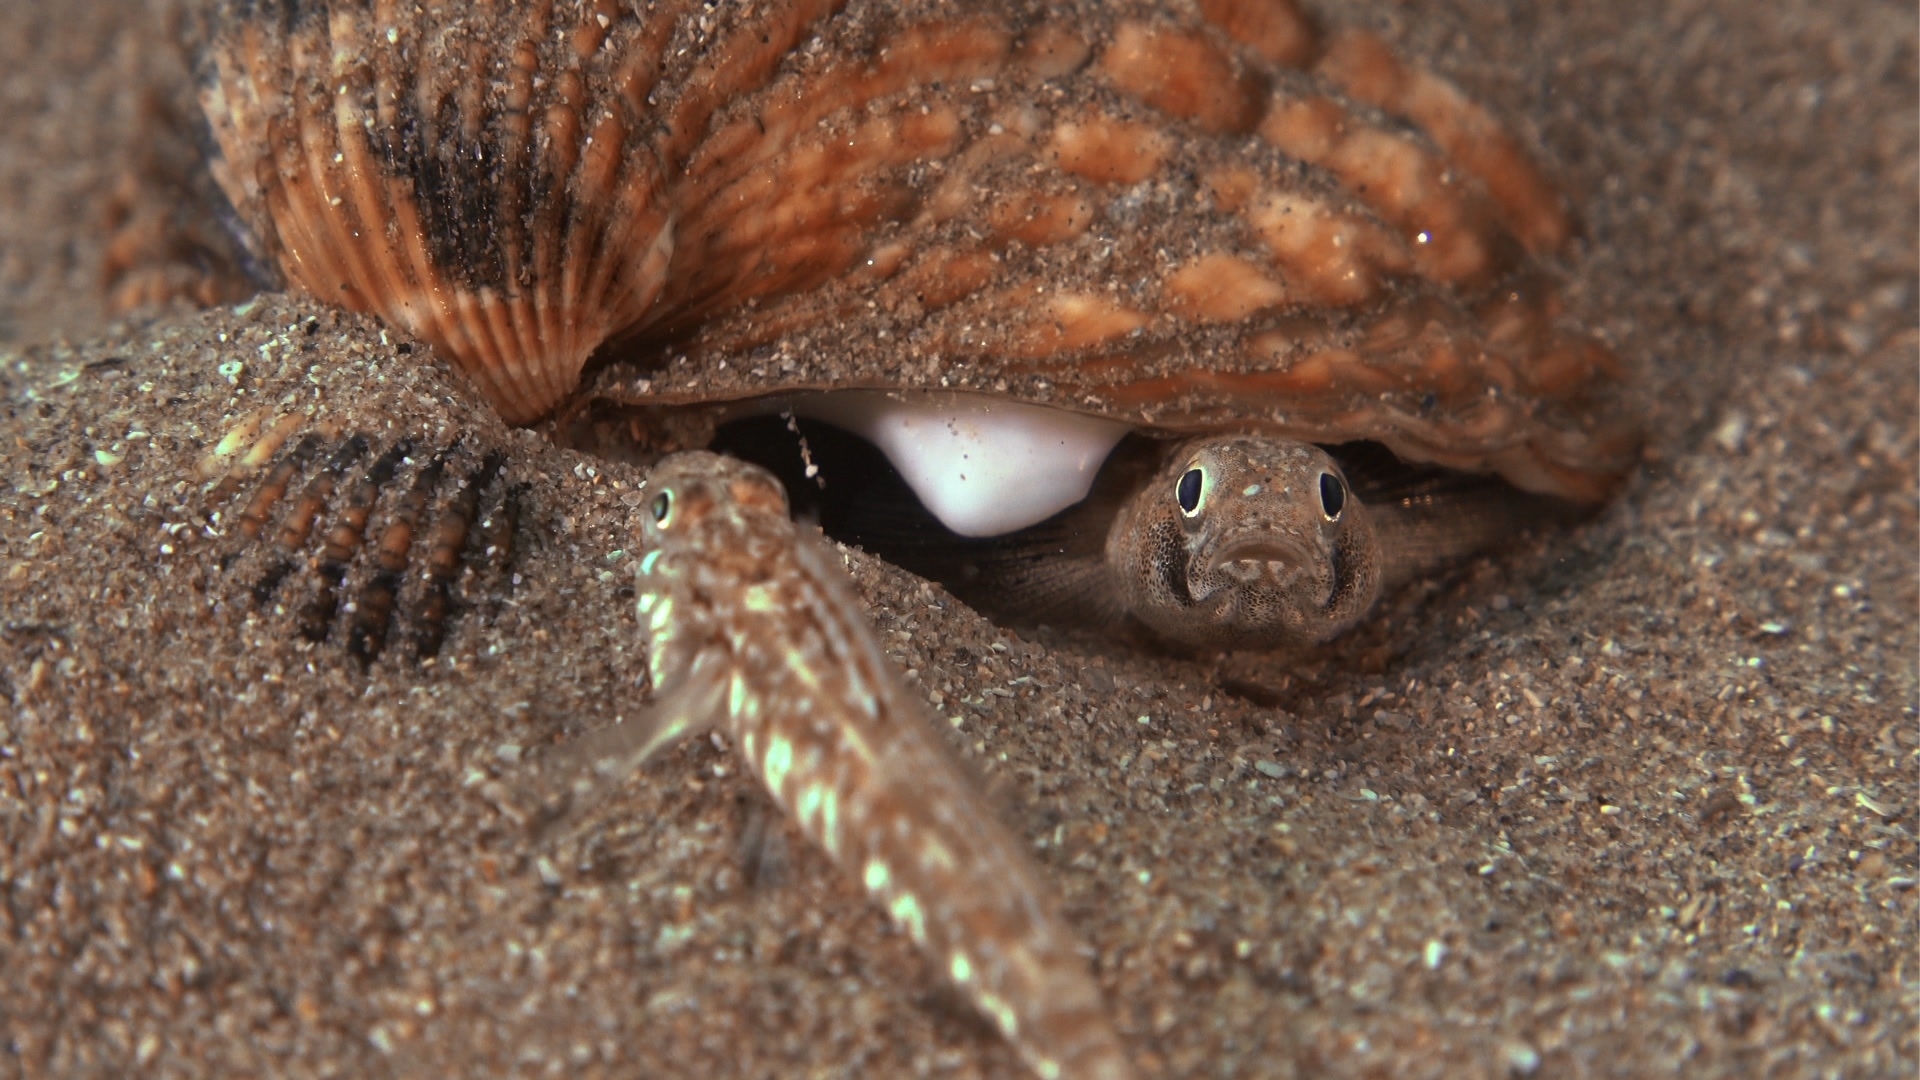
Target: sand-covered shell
<point>1192,216</point>
<point>357,535</point>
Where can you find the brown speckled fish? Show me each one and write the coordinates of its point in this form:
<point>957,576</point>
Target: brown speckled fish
<point>1199,545</point>
<point>753,631</point>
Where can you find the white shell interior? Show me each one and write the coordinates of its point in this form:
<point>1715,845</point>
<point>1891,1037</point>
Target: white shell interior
<point>982,465</point>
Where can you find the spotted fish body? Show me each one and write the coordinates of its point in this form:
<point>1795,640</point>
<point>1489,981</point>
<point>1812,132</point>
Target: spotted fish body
<point>754,631</point>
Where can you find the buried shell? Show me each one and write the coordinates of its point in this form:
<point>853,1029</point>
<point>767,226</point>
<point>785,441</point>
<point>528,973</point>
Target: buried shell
<point>354,537</point>
<point>1215,217</point>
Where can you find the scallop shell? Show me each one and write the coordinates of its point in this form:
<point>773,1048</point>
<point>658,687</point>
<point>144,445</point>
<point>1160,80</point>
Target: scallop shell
<point>1205,217</point>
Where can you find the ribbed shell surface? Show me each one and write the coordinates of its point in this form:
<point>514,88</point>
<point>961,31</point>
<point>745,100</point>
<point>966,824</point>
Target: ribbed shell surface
<point>1194,216</point>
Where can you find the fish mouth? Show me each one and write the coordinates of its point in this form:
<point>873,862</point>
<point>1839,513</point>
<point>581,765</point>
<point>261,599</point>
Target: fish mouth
<point>1275,558</point>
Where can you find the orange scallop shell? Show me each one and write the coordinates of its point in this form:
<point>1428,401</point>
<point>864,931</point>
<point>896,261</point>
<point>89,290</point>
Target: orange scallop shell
<point>1212,215</point>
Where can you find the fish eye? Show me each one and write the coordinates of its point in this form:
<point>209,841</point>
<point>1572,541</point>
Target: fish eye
<point>1189,490</point>
<point>1333,496</point>
<point>662,508</point>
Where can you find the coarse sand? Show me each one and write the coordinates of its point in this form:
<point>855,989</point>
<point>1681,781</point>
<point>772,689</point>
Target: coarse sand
<point>1634,799</point>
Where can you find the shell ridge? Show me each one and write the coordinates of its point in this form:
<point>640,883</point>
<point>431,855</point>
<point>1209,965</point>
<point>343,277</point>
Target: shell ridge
<point>1362,64</point>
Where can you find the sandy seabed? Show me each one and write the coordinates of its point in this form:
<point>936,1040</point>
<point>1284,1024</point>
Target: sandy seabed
<point>1638,799</point>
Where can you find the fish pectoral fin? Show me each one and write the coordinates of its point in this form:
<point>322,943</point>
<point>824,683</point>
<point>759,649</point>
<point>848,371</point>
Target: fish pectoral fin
<point>1073,593</point>
<point>578,776</point>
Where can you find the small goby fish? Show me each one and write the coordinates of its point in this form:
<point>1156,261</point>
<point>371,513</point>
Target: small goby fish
<point>1245,541</point>
<point>754,631</point>
<point>1253,542</point>
<point>1218,542</point>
